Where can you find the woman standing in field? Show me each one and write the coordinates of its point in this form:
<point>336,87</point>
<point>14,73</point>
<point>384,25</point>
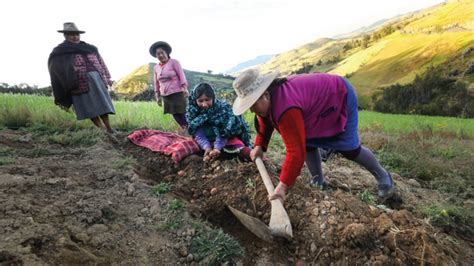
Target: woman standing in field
<point>310,111</point>
<point>170,83</point>
<point>79,77</point>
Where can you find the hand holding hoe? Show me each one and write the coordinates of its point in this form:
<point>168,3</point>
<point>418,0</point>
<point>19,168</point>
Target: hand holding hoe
<point>280,224</point>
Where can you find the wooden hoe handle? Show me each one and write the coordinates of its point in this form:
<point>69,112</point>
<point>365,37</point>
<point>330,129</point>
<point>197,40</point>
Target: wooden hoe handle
<point>280,224</point>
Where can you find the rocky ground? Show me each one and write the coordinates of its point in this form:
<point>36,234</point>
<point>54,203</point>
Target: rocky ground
<point>63,204</point>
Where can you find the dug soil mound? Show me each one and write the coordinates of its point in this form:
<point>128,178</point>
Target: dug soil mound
<point>94,205</point>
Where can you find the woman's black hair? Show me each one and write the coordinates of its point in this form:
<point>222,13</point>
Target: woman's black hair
<point>206,89</point>
<point>275,84</point>
<point>271,88</point>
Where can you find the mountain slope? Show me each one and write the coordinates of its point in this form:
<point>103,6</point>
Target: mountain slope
<point>140,81</point>
<point>396,52</point>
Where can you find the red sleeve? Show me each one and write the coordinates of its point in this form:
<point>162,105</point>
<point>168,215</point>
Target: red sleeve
<point>291,128</point>
<point>264,133</point>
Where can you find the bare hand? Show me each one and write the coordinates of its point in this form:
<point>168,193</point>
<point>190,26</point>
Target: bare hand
<point>256,152</point>
<point>186,93</point>
<point>159,102</point>
<point>279,193</point>
<point>214,153</point>
<point>207,157</point>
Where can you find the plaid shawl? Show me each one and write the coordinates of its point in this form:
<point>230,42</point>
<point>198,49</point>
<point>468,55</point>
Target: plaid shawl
<point>170,144</point>
<point>219,119</point>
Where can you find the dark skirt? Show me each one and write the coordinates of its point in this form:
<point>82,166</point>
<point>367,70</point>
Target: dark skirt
<point>96,101</point>
<point>175,103</point>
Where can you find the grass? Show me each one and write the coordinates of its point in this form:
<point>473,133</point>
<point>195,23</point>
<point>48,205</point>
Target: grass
<point>399,124</point>
<point>450,217</point>
<point>39,112</point>
<point>367,197</point>
<point>161,188</point>
<point>249,183</point>
<point>175,205</point>
<point>37,151</point>
<point>85,137</point>
<point>174,218</point>
<point>16,117</point>
<point>6,160</point>
<point>214,247</point>
<point>6,156</point>
<point>172,222</point>
<point>443,159</point>
<point>123,163</point>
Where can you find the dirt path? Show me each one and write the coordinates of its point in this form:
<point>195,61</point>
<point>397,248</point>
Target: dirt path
<point>78,205</point>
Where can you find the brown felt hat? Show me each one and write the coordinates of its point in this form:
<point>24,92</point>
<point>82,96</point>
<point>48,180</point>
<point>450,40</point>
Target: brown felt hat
<point>70,27</point>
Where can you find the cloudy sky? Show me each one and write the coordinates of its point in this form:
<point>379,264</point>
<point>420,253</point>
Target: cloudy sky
<point>205,34</point>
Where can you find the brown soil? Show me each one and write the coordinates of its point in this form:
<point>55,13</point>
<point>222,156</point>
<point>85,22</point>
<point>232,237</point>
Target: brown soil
<point>76,205</point>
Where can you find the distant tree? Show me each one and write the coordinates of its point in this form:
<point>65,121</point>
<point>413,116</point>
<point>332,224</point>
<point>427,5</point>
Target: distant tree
<point>387,30</point>
<point>347,46</point>
<point>209,72</point>
<point>365,41</point>
<point>304,69</point>
<point>431,94</point>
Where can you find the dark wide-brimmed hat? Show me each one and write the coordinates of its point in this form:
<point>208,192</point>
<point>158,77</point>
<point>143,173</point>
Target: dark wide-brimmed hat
<point>163,45</point>
<point>70,27</point>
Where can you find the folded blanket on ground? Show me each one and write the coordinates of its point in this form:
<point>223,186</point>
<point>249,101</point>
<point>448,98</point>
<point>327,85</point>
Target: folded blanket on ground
<point>165,142</point>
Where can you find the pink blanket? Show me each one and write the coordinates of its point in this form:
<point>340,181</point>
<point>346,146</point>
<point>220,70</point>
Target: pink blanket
<point>165,142</point>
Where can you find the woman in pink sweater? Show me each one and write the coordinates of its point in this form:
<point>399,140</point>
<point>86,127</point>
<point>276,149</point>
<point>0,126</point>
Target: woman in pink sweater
<point>170,83</point>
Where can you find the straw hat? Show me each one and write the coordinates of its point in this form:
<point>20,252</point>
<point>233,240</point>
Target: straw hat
<point>161,44</point>
<point>249,86</point>
<point>70,27</point>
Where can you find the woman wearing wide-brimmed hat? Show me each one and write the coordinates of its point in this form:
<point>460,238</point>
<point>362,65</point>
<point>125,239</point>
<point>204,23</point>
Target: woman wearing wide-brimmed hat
<point>79,77</point>
<point>170,83</point>
<point>310,111</point>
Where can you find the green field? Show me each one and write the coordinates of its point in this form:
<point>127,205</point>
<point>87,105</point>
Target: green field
<point>438,150</point>
<point>133,115</point>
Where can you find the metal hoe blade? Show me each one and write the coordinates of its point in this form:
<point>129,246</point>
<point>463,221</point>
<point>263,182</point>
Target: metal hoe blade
<point>254,225</point>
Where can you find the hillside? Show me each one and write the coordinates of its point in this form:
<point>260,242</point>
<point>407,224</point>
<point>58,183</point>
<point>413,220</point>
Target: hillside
<point>139,83</point>
<point>395,52</point>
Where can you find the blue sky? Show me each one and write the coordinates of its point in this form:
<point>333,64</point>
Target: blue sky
<point>205,34</point>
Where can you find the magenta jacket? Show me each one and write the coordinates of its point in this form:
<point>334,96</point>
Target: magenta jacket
<point>169,78</point>
<point>322,99</point>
